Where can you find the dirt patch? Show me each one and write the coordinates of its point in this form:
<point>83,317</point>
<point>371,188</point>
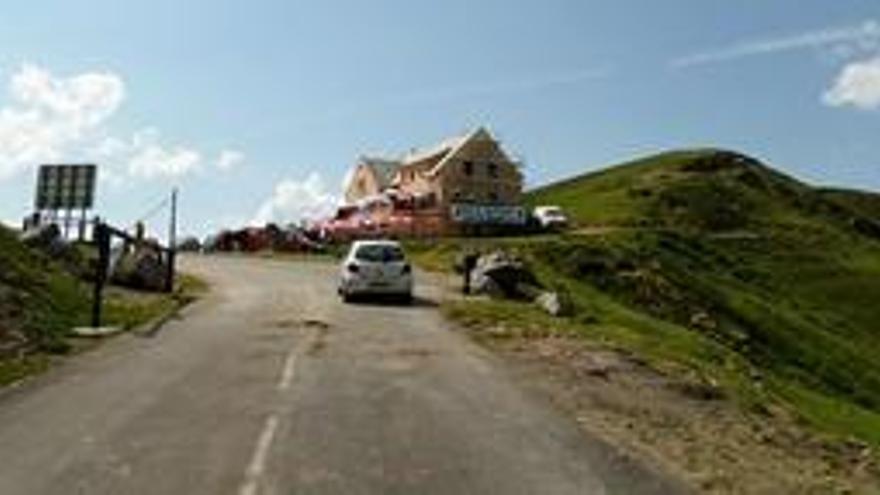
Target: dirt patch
<point>306,323</point>
<point>415,353</point>
<point>285,324</point>
<point>317,346</point>
<point>318,343</point>
<point>315,323</point>
<point>689,430</point>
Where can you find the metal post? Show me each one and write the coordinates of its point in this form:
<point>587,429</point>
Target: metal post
<point>102,239</point>
<point>67,217</point>
<point>81,234</point>
<point>470,262</point>
<point>172,243</point>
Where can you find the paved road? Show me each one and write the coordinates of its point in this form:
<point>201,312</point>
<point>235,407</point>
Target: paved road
<point>271,386</point>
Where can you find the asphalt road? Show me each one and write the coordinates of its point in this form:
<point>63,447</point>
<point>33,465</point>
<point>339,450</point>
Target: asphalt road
<point>272,386</point>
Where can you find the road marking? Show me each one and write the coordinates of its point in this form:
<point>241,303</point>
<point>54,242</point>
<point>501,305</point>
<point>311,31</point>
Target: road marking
<point>287,372</point>
<point>254,473</point>
<point>258,462</point>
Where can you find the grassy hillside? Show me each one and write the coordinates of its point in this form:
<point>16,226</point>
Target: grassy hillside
<point>39,301</point>
<point>725,269</point>
<point>701,190</point>
<point>867,203</point>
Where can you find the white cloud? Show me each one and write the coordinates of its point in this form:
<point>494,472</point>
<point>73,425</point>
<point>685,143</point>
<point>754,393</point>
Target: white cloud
<point>293,201</point>
<point>845,41</point>
<point>857,85</point>
<point>47,116</point>
<point>87,99</point>
<point>50,119</point>
<point>155,161</point>
<point>229,159</point>
<point>146,156</point>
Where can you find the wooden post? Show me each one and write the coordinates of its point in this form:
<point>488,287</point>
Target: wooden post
<point>101,236</point>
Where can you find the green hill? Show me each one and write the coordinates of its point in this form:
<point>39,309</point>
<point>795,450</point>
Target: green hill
<point>784,275</point>
<point>750,265</point>
<point>703,190</point>
<point>866,203</point>
<point>714,264</point>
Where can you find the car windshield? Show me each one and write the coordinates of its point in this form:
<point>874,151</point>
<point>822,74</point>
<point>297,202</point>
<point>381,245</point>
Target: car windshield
<point>379,253</point>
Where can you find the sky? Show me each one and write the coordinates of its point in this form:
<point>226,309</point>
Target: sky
<point>257,110</point>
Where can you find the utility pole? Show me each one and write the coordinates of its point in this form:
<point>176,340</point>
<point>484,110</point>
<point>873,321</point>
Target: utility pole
<point>172,242</point>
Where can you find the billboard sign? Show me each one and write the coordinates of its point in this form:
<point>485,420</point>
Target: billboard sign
<point>66,187</point>
<point>475,214</point>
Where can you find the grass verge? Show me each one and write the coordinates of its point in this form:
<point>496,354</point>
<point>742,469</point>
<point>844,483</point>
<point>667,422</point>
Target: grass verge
<point>778,332</point>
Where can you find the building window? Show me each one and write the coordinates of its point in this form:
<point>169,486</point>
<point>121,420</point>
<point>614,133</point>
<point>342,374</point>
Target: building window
<point>493,170</point>
<point>468,168</point>
<point>493,196</point>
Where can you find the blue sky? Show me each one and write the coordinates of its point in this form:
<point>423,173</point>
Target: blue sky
<point>257,109</point>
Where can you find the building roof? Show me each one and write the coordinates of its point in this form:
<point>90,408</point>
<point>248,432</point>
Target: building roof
<point>384,169</point>
<point>479,133</point>
<point>387,168</point>
<point>442,148</point>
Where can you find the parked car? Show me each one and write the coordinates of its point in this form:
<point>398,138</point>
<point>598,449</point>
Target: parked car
<point>378,268</point>
<point>551,217</point>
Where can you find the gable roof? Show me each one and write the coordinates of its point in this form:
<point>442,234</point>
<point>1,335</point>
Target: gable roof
<point>442,148</point>
<point>478,134</point>
<point>384,170</point>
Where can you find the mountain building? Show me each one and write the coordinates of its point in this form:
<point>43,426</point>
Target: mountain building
<point>462,182</point>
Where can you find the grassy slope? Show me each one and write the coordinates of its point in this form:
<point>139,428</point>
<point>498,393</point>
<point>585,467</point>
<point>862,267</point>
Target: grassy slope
<point>37,298</point>
<point>703,190</point>
<point>747,278</point>
<point>867,203</point>
<point>39,303</point>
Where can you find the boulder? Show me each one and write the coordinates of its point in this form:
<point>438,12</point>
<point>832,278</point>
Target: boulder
<point>500,274</point>
<point>144,269</point>
<point>554,304</point>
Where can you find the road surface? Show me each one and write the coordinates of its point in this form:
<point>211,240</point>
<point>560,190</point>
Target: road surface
<point>270,385</point>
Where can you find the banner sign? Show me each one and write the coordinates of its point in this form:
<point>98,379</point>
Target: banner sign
<point>474,214</point>
<point>66,187</point>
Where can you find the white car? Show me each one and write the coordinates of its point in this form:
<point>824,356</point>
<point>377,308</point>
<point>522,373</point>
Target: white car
<point>551,217</point>
<point>376,268</point>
